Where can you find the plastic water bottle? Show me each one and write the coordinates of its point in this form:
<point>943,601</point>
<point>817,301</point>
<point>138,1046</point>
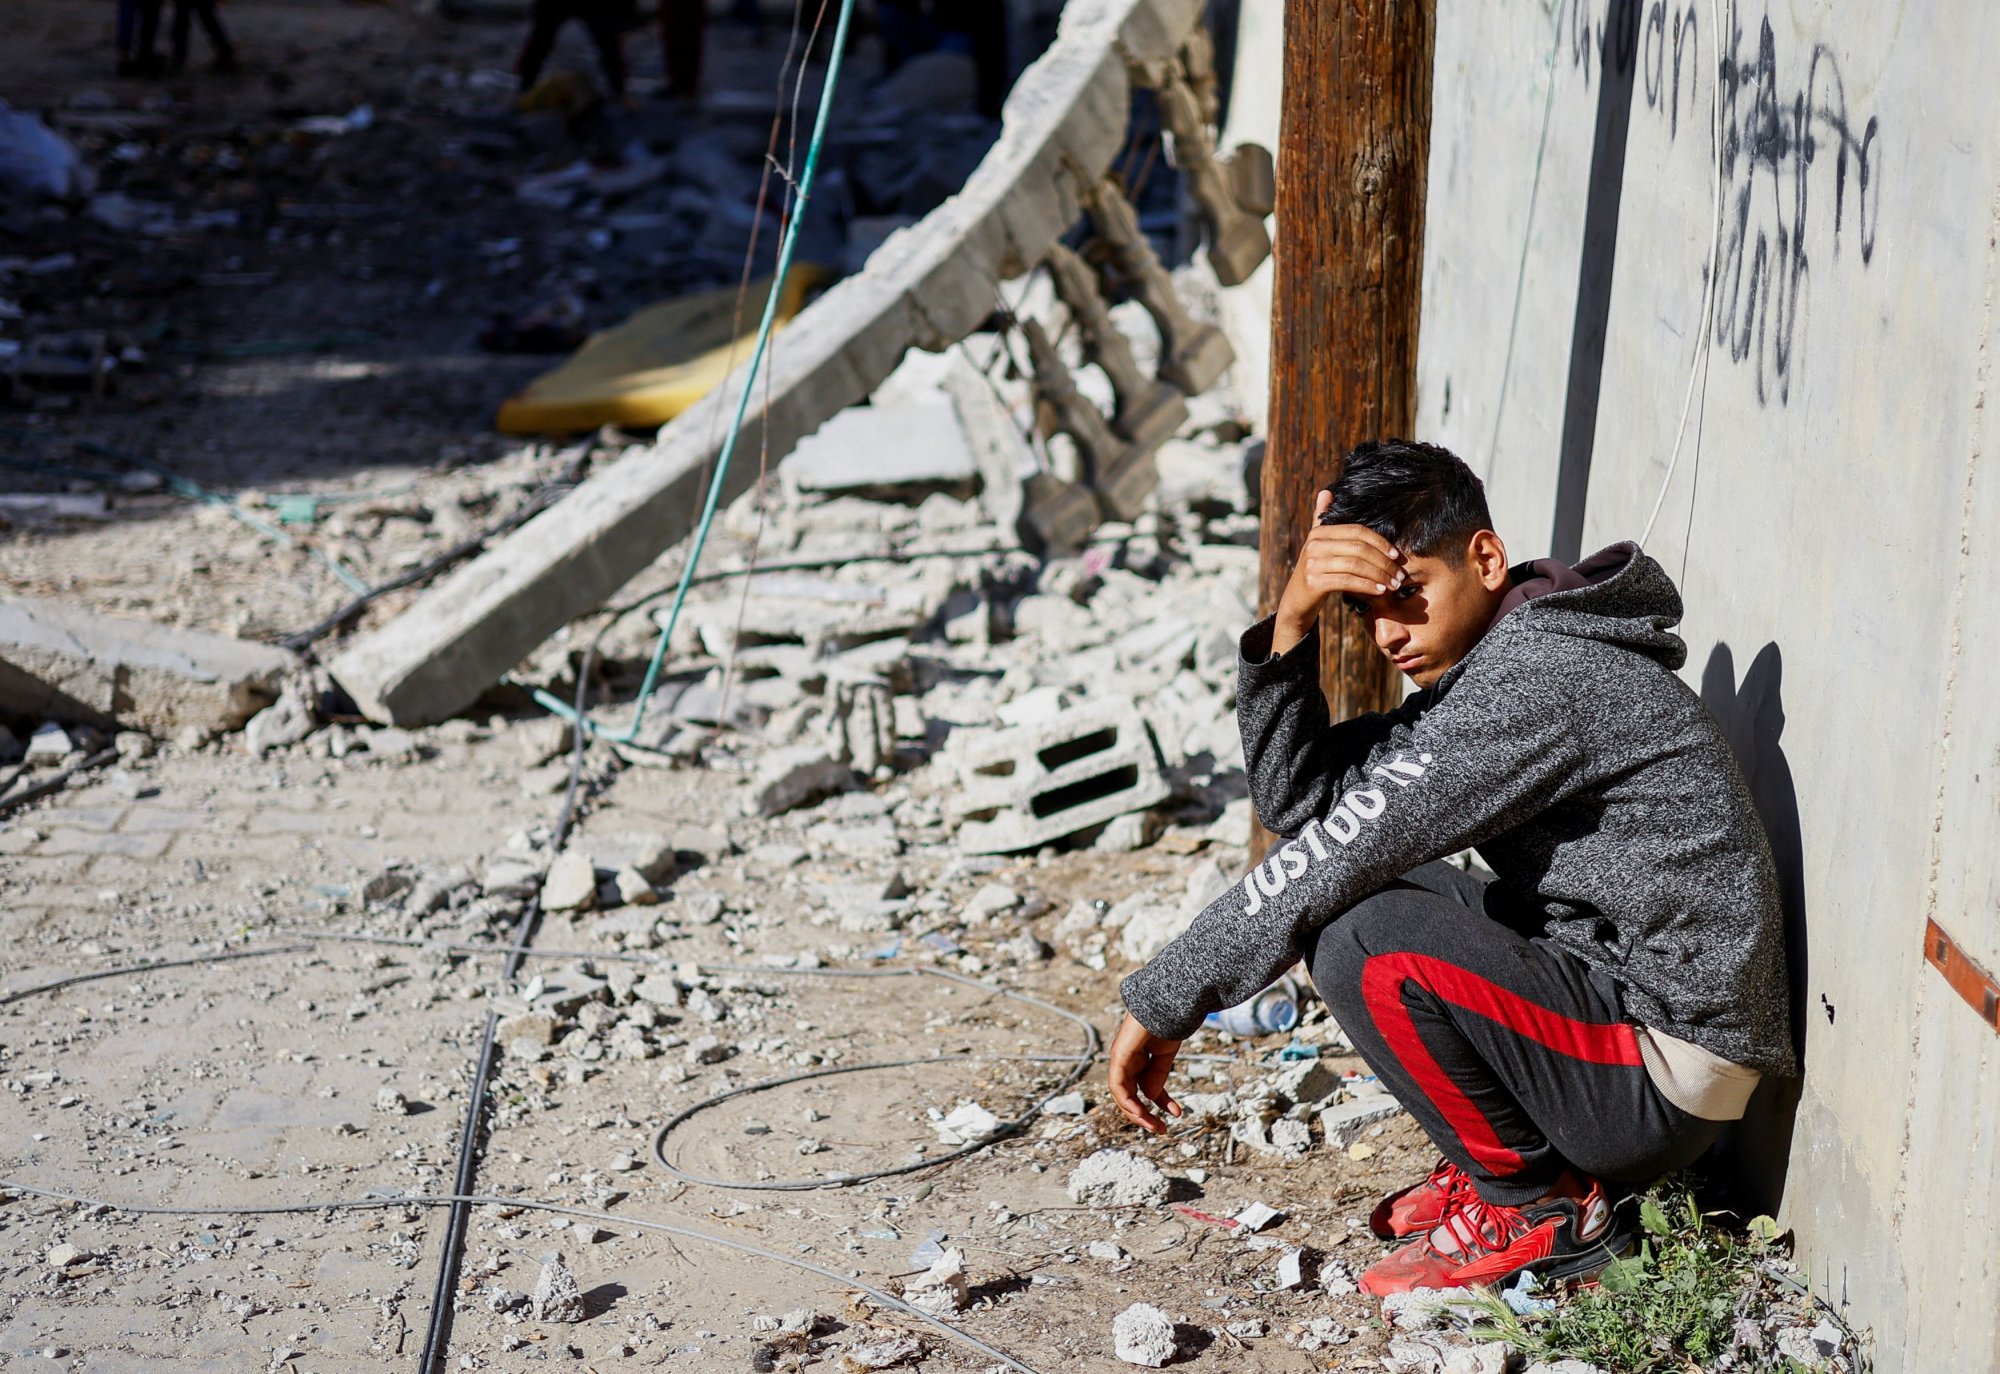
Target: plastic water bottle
<point>1273,1011</point>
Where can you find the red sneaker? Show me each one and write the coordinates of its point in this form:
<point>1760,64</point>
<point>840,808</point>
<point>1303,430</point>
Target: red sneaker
<point>1481,1242</point>
<point>1417,1208</point>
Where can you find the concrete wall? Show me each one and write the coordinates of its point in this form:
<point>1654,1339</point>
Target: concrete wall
<point>1833,516</point>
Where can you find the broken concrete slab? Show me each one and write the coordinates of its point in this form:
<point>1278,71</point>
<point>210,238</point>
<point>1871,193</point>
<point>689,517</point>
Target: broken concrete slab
<point>928,287</point>
<point>60,663</point>
<point>881,447</point>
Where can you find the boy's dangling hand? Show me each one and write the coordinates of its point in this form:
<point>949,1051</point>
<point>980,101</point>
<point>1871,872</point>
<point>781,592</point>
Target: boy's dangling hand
<point>1139,1064</point>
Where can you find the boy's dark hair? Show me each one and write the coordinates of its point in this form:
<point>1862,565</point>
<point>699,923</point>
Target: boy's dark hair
<point>1420,497</point>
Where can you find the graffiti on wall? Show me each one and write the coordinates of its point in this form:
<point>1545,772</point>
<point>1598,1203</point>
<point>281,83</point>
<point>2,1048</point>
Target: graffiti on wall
<point>1794,157</point>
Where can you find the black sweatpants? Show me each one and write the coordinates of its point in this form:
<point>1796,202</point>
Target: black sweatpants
<point>1513,1054</point>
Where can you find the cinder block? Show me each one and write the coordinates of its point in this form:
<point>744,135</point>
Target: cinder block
<point>1035,784</point>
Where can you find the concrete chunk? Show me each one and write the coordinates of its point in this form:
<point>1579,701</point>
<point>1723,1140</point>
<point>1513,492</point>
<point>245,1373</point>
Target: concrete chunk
<point>1143,1335</point>
<point>1037,783</point>
<point>1117,1178</point>
<point>60,663</point>
<point>1343,1125</point>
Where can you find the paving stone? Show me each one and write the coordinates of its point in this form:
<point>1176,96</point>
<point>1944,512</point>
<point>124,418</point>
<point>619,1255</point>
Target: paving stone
<point>63,842</point>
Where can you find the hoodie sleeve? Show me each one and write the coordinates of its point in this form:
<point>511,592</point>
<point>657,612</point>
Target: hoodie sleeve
<point>1490,753</point>
<point>1297,761</point>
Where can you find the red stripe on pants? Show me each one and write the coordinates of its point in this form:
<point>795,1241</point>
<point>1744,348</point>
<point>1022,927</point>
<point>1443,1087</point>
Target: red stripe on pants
<point>1383,978</point>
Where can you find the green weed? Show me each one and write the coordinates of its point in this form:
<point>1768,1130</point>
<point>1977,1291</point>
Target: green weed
<point>1677,1303</point>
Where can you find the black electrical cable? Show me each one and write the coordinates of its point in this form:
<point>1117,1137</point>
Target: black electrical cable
<point>1079,1065</point>
<point>54,784</point>
<point>438,1336</point>
<point>135,970</point>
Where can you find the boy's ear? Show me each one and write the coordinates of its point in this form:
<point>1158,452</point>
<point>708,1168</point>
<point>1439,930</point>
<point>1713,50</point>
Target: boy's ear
<point>1489,560</point>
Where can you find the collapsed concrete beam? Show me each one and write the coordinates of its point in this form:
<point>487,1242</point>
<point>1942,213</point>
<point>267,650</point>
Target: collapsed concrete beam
<point>927,286</point>
<point>72,666</point>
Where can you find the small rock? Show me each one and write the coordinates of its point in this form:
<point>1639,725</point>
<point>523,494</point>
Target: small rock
<point>1123,834</point>
<point>1316,1333</point>
<point>1250,1329</point>
<point>1026,949</point>
<point>1343,1124</point>
<point>882,1354</point>
<point>389,1102</point>
<point>1068,1104</point>
<point>63,1256</point>
<point>793,776</point>
<point>967,1124</point>
<point>1489,1357</point>
<point>697,908</point>
<point>391,743</point>
<point>48,746</point>
<point>941,1289</point>
<point>622,1163</point>
<point>1290,1138</point>
<point>658,991</point>
<point>634,889</point>
<point>1562,1367</point>
<point>1233,826</point>
<point>535,1027</point>
<point>510,878</point>
<point>1117,1178</point>
<point>571,884</point>
<point>990,901</point>
<point>1110,1251</point>
<point>708,1050</point>
<point>132,746</point>
<point>285,721</point>
<point>1143,1335</point>
<point>1428,1307</point>
<point>388,885</point>
<point>558,1297</point>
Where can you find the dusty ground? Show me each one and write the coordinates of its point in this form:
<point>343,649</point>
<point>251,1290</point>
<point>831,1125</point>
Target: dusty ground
<point>255,1082</point>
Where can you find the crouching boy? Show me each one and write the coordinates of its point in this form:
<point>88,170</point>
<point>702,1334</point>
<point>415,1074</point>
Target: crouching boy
<point>1596,1012</point>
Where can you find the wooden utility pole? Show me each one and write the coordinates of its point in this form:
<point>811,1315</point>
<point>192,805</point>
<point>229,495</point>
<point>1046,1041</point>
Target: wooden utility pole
<point>1353,153</point>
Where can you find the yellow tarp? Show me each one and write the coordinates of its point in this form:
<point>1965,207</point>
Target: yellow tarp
<point>656,364</point>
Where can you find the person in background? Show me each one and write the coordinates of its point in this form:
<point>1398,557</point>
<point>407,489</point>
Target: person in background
<point>185,11</point>
<point>600,18</point>
<point>683,35</point>
<point>138,30</point>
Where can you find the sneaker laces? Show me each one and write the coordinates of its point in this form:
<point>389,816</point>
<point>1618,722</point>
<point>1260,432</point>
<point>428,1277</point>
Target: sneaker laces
<point>1471,1226</point>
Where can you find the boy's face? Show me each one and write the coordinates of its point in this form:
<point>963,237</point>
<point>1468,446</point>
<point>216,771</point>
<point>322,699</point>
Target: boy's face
<point>1445,604</point>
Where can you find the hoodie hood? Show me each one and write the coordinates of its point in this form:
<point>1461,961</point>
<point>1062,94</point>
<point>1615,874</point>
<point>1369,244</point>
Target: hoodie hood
<point>1617,595</point>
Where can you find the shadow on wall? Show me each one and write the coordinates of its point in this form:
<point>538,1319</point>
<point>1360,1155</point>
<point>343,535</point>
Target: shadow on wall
<point>1748,1161</point>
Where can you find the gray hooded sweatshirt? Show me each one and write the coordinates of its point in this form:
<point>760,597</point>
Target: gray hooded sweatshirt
<point>1591,780</point>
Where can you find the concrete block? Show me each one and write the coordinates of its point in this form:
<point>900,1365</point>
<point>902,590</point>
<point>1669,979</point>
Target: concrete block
<point>1035,784</point>
<point>60,663</point>
<point>1343,1125</point>
<point>794,776</point>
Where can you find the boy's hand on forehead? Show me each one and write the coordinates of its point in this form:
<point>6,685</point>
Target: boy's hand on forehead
<point>1336,560</point>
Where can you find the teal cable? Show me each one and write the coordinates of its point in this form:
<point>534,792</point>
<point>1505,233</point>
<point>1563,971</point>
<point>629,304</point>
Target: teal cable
<point>650,683</point>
